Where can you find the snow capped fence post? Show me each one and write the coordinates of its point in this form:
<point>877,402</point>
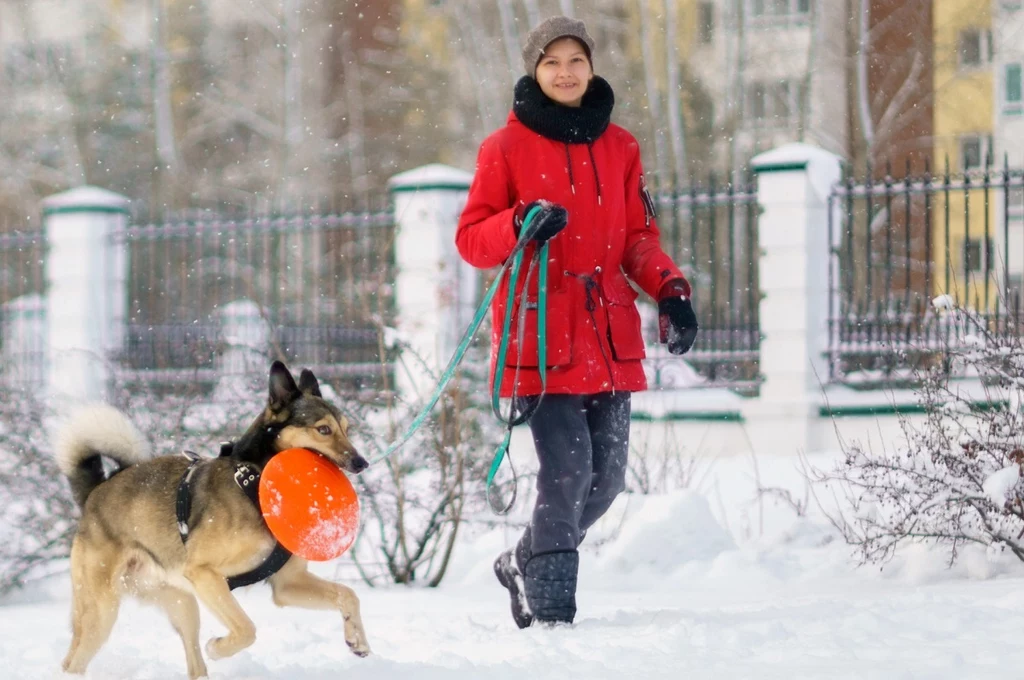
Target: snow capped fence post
<point>86,303</point>
<point>435,290</point>
<point>794,182</point>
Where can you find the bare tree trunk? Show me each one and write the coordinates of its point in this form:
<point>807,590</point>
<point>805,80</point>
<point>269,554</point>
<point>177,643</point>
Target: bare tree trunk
<point>163,117</point>
<point>532,12</point>
<point>864,106</point>
<point>478,62</point>
<point>509,34</point>
<point>475,75</point>
<point>739,91</point>
<point>804,103</point>
<point>292,114</point>
<point>653,96</point>
<point>674,91</point>
<point>355,134</point>
<point>566,7</point>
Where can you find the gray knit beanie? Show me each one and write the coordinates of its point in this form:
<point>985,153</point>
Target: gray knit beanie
<point>549,31</point>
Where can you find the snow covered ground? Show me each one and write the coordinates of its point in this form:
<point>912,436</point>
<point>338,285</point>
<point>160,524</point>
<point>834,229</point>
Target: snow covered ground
<point>703,583</point>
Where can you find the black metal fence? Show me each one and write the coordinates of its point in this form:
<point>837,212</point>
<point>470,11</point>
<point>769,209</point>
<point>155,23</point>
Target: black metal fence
<point>901,243</point>
<point>313,290</point>
<point>207,289</point>
<point>711,231</point>
<point>22,307</point>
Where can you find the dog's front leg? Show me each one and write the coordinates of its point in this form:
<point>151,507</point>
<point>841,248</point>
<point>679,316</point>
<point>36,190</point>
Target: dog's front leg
<point>294,586</point>
<point>212,590</point>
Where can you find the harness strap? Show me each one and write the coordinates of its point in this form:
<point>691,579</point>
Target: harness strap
<point>247,477</point>
<point>275,560</point>
<point>183,502</point>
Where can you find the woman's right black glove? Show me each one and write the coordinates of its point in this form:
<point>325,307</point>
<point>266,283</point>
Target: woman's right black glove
<point>550,220</point>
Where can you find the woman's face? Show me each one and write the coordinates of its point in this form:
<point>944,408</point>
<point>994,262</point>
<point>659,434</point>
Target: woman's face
<point>564,72</point>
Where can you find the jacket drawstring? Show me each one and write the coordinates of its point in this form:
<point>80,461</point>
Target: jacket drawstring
<point>568,164</point>
<point>593,164</point>
<point>590,285</point>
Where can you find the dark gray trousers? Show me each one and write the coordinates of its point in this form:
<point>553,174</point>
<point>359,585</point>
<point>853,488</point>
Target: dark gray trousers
<point>582,444</point>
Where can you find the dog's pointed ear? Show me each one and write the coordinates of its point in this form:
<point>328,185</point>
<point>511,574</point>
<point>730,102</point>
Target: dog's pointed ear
<point>282,385</point>
<point>308,383</point>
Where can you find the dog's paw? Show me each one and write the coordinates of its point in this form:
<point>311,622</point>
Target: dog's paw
<point>229,645</point>
<point>360,648</point>
<point>214,647</point>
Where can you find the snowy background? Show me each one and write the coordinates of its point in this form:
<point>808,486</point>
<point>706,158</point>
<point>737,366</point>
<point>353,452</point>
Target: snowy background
<point>275,105</point>
<point>715,581</point>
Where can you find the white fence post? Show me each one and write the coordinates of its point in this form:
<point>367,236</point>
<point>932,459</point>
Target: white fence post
<point>794,182</point>
<point>435,289</point>
<point>86,303</point>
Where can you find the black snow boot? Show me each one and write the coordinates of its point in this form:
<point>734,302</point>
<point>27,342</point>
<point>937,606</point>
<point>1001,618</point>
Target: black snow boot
<point>551,586</point>
<point>509,570</point>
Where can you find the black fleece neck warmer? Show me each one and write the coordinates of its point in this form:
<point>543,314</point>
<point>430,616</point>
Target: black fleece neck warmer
<point>566,124</point>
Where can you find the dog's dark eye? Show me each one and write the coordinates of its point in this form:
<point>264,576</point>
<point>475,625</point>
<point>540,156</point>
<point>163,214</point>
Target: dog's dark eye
<point>324,430</point>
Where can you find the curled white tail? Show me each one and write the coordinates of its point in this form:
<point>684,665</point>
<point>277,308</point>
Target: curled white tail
<point>93,431</point>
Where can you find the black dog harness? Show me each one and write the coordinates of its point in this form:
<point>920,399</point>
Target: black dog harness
<point>247,477</point>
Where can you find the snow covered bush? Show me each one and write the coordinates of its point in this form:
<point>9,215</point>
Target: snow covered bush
<point>37,514</point>
<point>957,479</point>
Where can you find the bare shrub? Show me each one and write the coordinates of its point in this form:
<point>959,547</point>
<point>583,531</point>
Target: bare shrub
<point>957,480</point>
<point>414,502</point>
<point>662,464</point>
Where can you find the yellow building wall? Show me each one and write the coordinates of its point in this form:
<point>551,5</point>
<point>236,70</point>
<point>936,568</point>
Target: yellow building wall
<point>425,38</point>
<point>424,32</point>
<point>686,33</point>
<point>963,106</point>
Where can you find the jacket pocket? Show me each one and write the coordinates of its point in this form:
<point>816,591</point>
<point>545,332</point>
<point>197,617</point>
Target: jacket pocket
<point>624,325</point>
<point>522,351</point>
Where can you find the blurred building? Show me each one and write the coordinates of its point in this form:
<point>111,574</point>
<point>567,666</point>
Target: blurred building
<point>967,240</point>
<point>1008,134</point>
<point>776,71</point>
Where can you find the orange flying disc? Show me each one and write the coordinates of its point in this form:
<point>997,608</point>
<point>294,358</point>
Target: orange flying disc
<point>309,504</point>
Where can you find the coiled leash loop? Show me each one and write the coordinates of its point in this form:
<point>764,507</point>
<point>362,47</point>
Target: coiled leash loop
<point>540,256</point>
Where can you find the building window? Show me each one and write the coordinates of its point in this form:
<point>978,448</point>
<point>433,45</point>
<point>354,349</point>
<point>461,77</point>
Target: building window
<point>1012,90</point>
<point>776,12</point>
<point>974,151</point>
<point>974,258</point>
<point>774,103</point>
<point>974,47</point>
<point>1015,284</point>
<point>1015,203</point>
<point>706,23</point>
<point>758,100</point>
<point>781,104</point>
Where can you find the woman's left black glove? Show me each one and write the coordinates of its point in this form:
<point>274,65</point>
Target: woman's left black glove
<point>678,324</point>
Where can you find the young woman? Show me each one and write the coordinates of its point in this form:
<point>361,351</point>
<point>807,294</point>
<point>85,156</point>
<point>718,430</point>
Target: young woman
<point>559,152</point>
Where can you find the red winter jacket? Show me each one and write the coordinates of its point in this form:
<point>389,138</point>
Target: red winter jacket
<point>611,235</point>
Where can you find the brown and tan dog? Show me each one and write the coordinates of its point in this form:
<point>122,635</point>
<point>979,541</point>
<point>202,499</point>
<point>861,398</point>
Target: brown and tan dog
<point>128,540</point>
